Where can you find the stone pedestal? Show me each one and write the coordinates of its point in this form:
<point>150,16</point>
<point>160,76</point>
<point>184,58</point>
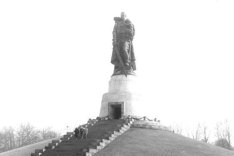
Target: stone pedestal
<point>122,97</point>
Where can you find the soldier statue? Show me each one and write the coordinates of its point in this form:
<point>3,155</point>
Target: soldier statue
<point>123,57</point>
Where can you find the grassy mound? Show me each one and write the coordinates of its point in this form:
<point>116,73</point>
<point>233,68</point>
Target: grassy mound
<point>151,142</point>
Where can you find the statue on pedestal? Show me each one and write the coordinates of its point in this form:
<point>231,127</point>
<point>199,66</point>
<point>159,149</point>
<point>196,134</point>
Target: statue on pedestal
<point>123,56</point>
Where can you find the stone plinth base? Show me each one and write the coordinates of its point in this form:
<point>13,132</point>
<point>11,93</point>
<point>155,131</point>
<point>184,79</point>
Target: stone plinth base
<point>122,97</point>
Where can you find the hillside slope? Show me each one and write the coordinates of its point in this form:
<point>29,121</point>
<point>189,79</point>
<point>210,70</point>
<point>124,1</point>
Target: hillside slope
<point>150,142</point>
<point>27,150</point>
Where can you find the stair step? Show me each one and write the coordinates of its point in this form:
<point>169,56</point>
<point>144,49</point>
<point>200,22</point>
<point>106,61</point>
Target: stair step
<point>99,135</point>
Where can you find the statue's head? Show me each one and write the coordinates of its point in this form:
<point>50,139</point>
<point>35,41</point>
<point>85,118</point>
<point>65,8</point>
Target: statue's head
<point>123,15</point>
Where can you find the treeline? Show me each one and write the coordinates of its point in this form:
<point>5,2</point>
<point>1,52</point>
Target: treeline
<point>26,134</point>
<point>220,136</point>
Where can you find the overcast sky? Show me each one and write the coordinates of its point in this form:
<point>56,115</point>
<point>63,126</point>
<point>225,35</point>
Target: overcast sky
<point>55,60</point>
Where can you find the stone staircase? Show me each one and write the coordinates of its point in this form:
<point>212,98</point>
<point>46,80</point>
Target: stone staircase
<point>101,133</point>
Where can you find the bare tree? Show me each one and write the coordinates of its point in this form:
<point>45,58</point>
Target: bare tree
<point>223,143</point>
<point>2,141</point>
<point>7,139</point>
<point>200,133</point>
<point>196,135</point>
<point>27,135</point>
<point>223,134</point>
<point>47,133</point>
<point>205,134</point>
